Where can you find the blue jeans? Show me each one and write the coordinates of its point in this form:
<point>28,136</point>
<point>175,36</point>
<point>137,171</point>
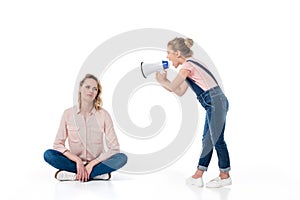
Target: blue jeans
<point>57,160</point>
<point>216,105</point>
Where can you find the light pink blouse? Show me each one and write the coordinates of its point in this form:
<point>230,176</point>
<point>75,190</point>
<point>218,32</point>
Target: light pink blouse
<point>86,137</point>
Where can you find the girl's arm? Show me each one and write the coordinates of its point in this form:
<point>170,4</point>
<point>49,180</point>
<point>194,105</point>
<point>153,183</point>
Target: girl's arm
<point>178,85</point>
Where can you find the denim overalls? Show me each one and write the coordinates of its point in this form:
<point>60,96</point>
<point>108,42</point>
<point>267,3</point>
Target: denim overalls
<point>216,105</point>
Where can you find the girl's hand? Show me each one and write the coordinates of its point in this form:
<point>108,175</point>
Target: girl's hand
<point>161,77</point>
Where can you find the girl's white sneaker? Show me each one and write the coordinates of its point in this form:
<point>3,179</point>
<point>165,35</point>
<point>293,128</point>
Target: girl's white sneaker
<point>194,181</point>
<point>218,182</point>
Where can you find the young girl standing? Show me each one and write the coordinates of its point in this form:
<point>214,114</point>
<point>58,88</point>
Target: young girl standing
<point>211,97</point>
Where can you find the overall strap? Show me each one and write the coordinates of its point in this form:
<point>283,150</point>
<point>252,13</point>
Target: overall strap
<point>206,70</point>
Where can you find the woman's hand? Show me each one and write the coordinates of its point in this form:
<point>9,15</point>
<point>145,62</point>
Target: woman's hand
<point>82,174</point>
<point>161,77</point>
<point>89,167</point>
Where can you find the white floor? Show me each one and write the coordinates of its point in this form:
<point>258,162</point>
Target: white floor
<point>166,185</point>
<point>38,183</point>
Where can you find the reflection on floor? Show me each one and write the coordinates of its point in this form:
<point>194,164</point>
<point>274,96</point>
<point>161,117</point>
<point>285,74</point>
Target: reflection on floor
<point>166,184</point>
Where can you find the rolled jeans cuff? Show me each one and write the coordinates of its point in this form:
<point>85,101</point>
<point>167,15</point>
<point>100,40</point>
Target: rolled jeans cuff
<point>225,170</point>
<point>202,168</point>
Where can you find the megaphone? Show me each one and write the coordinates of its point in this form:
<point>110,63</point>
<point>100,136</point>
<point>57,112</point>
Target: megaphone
<point>148,69</point>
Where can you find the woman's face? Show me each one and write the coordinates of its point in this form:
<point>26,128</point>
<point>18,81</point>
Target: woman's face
<point>173,57</point>
<point>89,90</point>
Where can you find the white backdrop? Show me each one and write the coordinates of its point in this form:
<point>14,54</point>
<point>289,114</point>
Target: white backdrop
<point>254,45</point>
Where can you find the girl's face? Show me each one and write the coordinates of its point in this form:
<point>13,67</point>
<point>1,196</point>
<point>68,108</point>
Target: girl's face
<point>173,57</point>
<point>89,90</point>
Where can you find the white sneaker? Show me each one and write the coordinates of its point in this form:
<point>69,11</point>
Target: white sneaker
<point>194,181</point>
<point>218,182</point>
<point>104,177</point>
<point>65,176</point>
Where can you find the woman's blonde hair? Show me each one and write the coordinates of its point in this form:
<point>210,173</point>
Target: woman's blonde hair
<point>182,45</point>
<point>97,100</point>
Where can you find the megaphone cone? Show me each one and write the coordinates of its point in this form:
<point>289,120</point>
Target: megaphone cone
<point>148,69</point>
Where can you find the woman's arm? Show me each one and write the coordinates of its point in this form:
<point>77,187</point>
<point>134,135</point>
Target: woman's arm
<point>178,85</point>
<point>61,136</point>
<point>60,139</point>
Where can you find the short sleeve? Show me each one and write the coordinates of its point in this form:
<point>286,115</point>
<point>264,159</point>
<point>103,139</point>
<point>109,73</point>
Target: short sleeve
<point>187,66</point>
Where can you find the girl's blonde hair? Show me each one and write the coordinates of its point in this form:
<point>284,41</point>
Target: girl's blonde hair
<point>182,45</point>
<point>97,100</point>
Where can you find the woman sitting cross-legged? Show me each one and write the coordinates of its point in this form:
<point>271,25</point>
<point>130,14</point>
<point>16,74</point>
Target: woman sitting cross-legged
<point>86,127</point>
